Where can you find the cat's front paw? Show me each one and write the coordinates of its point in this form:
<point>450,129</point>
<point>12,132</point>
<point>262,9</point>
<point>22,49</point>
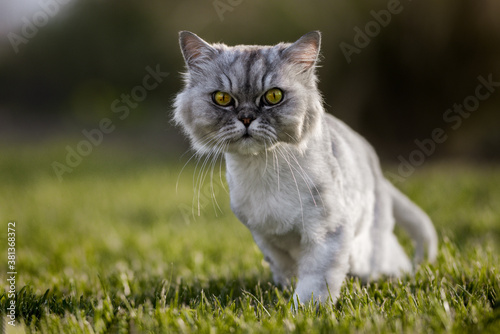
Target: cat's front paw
<point>304,295</point>
<point>311,304</point>
<point>281,280</point>
<point>296,303</point>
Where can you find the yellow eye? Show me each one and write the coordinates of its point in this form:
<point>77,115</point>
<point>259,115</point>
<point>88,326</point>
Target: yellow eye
<point>273,96</point>
<point>222,98</point>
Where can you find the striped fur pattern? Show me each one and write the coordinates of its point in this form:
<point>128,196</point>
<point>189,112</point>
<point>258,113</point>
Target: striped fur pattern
<point>307,186</point>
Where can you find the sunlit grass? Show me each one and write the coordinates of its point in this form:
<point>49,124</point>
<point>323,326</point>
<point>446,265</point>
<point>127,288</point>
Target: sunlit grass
<point>115,247</point>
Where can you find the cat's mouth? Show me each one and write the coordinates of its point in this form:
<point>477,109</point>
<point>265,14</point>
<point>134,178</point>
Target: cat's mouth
<point>245,135</point>
<point>246,140</point>
<point>251,140</point>
<point>246,143</point>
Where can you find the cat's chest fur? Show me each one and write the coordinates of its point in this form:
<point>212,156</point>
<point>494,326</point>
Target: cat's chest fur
<point>271,195</point>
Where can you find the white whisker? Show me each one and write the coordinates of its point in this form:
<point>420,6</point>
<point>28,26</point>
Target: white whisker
<point>265,167</point>
<point>212,141</point>
<point>276,166</point>
<point>307,179</point>
<point>220,150</point>
<point>220,174</point>
<point>296,184</point>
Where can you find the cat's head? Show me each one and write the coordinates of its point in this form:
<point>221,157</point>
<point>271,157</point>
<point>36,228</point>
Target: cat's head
<point>246,99</point>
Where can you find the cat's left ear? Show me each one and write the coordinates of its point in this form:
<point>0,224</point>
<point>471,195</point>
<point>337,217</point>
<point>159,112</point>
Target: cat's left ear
<point>194,49</point>
<point>305,51</point>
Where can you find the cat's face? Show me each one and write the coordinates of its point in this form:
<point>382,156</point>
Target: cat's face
<point>247,99</point>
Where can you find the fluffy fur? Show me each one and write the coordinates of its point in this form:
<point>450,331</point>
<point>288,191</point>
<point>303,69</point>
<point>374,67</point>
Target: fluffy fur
<point>308,187</point>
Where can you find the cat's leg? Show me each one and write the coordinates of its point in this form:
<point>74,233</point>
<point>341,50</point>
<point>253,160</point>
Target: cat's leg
<point>283,266</point>
<point>396,262</point>
<point>360,257</point>
<point>388,257</point>
<point>323,266</point>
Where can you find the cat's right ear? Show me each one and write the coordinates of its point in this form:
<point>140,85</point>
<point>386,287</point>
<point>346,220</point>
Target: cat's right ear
<point>194,49</point>
<point>305,51</point>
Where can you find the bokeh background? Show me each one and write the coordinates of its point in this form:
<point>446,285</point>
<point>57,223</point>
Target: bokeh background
<point>72,58</point>
<point>128,231</point>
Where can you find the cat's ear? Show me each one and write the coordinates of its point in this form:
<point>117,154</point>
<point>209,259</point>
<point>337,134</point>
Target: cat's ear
<point>194,49</point>
<point>305,51</point>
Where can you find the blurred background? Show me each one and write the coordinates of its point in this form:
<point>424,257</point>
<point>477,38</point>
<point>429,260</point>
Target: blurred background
<point>67,64</point>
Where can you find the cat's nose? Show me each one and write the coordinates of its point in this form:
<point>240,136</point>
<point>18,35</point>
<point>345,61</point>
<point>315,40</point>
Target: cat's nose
<point>246,119</point>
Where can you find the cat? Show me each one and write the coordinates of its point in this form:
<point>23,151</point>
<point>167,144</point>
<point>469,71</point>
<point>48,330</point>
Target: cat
<point>309,188</point>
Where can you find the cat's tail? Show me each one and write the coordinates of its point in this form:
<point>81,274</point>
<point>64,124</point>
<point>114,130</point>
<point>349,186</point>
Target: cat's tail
<point>416,223</point>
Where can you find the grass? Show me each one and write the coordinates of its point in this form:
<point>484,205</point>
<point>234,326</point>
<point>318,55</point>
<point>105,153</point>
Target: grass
<point>115,248</point>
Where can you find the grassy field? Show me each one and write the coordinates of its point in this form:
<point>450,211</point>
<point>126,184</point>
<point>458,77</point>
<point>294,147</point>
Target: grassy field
<point>115,248</point>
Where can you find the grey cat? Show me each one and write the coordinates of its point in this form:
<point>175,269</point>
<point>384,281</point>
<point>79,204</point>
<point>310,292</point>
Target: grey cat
<point>308,187</point>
